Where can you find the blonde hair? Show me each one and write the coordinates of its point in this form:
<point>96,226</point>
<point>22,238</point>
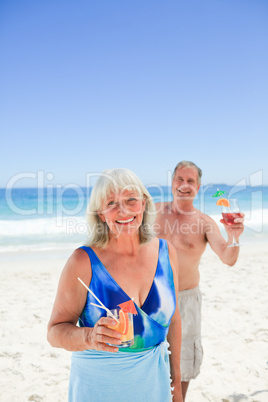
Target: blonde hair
<point>188,164</point>
<point>114,181</point>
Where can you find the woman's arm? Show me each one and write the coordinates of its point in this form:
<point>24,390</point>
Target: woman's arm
<point>69,303</point>
<point>174,333</point>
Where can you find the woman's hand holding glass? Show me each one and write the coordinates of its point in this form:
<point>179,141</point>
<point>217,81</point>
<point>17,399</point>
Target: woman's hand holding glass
<point>101,335</point>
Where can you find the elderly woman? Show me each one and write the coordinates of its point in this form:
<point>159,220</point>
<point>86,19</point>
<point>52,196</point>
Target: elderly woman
<point>122,260</point>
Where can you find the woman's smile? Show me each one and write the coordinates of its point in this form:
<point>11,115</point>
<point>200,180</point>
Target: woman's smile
<point>122,222</point>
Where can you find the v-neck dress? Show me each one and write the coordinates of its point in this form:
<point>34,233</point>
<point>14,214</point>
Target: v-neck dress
<point>140,372</point>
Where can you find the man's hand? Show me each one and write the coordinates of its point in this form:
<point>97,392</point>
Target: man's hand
<point>236,229</point>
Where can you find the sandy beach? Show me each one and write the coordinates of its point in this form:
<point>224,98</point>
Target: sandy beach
<point>235,331</point>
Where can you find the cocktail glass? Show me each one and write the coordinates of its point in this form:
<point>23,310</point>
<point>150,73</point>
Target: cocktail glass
<point>229,214</point>
<point>125,326</point>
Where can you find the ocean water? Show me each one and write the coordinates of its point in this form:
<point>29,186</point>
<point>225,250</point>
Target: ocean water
<point>54,218</point>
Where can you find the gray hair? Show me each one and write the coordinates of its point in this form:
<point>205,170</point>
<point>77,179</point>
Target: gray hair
<point>188,164</point>
<point>115,181</point>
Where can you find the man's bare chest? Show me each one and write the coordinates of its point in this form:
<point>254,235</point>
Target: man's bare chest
<point>185,232</point>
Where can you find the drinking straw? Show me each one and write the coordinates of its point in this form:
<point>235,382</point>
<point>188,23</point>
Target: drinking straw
<point>101,304</point>
<point>97,305</point>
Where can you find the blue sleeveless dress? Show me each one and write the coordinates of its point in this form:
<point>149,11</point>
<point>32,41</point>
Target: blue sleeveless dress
<point>140,372</point>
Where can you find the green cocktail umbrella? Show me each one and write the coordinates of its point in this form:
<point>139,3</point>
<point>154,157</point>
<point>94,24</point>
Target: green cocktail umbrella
<point>218,193</point>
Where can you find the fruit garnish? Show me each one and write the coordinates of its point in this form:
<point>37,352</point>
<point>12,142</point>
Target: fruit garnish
<point>123,326</point>
<point>223,202</point>
<point>128,307</point>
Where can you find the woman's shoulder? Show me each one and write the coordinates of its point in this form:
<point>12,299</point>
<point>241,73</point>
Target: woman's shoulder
<point>164,243</point>
<point>154,243</point>
<point>163,246</point>
<point>78,261</point>
<point>79,255</point>
<point>159,242</point>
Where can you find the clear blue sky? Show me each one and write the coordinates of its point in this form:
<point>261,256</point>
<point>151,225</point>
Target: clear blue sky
<point>87,85</point>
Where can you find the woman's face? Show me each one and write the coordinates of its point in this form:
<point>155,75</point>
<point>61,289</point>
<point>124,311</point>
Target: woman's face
<point>123,212</point>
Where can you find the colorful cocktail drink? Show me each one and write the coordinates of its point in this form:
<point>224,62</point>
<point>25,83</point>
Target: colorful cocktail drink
<point>230,212</point>
<point>122,315</point>
<point>125,326</point>
<point>229,217</point>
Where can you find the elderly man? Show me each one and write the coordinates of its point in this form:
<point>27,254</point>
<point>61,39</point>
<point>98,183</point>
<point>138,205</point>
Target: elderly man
<point>190,230</point>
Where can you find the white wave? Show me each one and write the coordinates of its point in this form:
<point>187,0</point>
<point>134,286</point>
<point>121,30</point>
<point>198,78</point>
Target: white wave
<point>43,226</point>
<point>256,219</point>
<point>64,229</point>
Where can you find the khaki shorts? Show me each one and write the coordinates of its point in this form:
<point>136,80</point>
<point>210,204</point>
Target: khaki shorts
<point>191,348</point>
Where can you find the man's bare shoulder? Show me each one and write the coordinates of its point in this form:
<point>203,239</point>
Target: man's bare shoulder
<point>163,208</point>
<point>208,222</point>
<point>206,218</point>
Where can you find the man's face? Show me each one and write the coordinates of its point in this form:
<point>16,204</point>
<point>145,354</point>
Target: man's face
<point>185,184</point>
